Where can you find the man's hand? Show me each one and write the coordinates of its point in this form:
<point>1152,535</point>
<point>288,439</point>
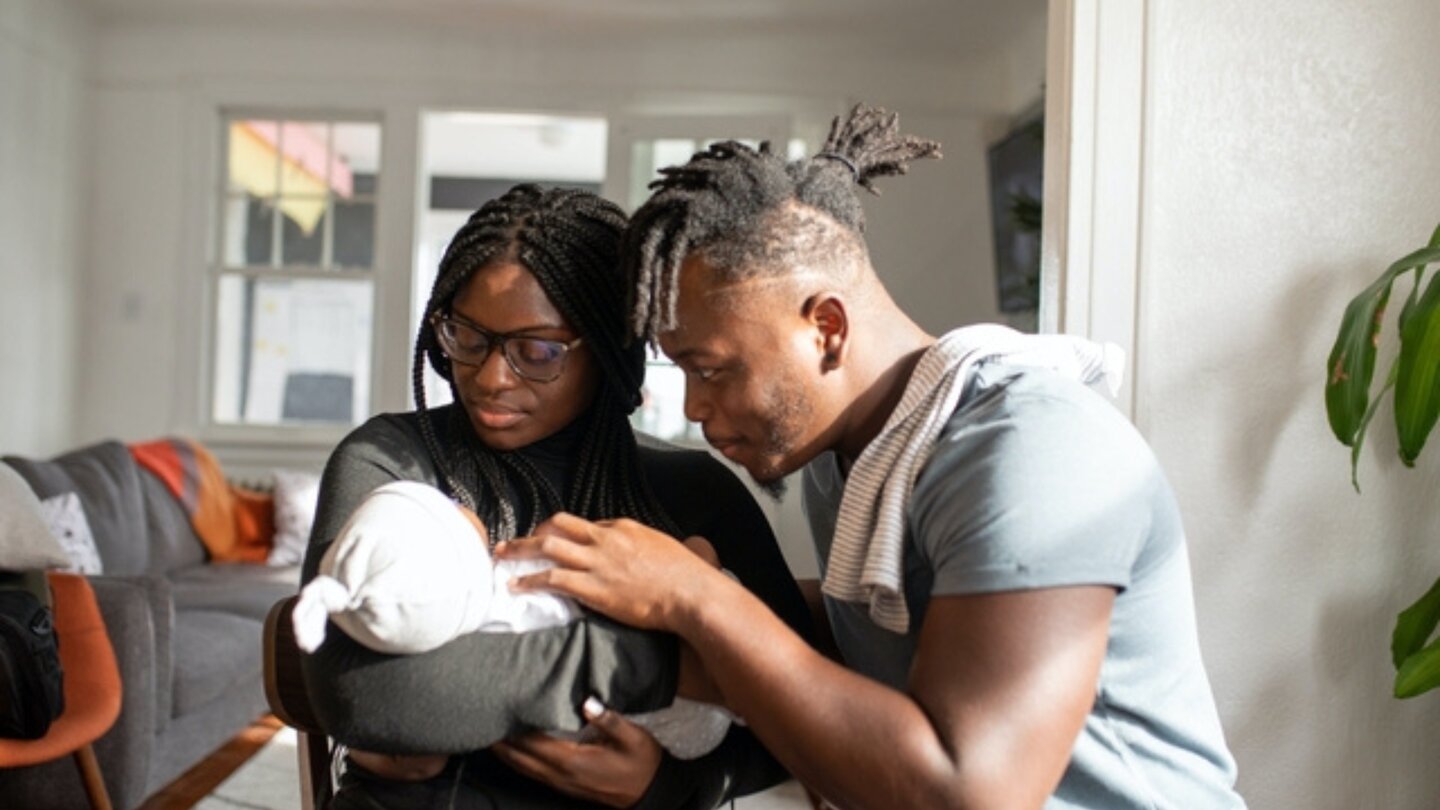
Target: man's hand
<point>614,768</point>
<point>621,568</point>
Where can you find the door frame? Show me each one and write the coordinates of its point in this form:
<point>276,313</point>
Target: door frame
<point>1090,283</point>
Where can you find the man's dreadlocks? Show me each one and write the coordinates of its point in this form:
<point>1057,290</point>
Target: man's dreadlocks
<point>569,241</point>
<point>747,212</point>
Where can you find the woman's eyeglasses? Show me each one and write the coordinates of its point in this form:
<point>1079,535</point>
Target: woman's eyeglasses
<point>534,359</point>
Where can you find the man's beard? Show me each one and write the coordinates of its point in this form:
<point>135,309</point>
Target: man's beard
<point>785,418</point>
<point>775,488</point>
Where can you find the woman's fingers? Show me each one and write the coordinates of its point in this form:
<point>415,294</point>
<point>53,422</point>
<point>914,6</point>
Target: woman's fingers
<point>616,769</point>
<point>519,754</point>
<point>612,727</point>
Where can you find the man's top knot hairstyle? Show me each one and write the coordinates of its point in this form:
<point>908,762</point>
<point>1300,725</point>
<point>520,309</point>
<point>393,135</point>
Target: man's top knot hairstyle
<point>735,206</point>
<point>569,240</point>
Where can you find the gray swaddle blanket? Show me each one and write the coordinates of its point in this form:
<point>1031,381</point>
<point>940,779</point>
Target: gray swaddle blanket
<point>409,572</point>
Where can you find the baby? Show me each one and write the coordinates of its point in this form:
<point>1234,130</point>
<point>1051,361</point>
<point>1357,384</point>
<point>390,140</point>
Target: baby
<point>411,570</point>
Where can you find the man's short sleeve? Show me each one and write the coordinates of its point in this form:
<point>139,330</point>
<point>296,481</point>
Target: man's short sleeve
<point>1035,482</point>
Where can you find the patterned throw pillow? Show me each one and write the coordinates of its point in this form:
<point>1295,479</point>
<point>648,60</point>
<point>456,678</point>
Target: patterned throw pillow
<point>66,518</point>
<point>296,494</point>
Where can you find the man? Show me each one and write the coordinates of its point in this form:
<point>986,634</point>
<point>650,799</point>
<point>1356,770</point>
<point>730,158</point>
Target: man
<point>1005,569</point>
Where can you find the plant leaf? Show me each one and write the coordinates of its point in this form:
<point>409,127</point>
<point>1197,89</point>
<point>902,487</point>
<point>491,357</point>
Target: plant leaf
<point>1352,360</point>
<point>1365,423</point>
<point>1419,673</point>
<point>1413,298</point>
<point>1415,624</point>
<point>1414,295</point>
<point>1351,367</point>
<point>1417,388</point>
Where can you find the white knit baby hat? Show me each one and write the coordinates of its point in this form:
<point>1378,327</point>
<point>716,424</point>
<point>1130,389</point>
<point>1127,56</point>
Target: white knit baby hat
<point>401,576</point>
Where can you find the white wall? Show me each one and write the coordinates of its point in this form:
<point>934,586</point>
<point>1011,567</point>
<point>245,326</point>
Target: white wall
<point>1292,151</point>
<point>929,234</point>
<point>44,106</point>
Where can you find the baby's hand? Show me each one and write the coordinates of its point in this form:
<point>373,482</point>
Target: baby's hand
<point>702,549</point>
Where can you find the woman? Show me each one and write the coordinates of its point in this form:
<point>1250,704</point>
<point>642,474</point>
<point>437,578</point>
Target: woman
<point>526,321</point>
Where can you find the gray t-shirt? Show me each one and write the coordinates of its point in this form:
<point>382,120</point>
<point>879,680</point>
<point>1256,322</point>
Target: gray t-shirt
<point>1037,482</point>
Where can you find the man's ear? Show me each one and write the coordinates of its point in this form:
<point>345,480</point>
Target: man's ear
<point>826,312</point>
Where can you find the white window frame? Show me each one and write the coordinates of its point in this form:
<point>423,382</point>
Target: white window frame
<point>326,434</point>
<point>262,447</point>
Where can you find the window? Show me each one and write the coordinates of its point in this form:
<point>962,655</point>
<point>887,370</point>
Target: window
<point>652,146</point>
<point>469,157</point>
<point>294,273</point>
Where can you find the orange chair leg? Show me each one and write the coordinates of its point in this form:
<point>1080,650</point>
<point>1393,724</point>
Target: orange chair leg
<point>90,774</point>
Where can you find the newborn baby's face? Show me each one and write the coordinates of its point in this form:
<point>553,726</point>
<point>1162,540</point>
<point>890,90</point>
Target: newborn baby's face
<point>476,522</point>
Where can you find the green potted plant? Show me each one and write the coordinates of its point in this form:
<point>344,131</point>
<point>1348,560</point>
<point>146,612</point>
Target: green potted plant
<point>1415,375</point>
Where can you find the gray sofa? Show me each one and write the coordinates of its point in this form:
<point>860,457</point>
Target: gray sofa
<point>186,632</point>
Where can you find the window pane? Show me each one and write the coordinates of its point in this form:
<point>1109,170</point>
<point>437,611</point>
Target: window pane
<point>307,163</point>
<point>302,236</point>
<point>248,229</point>
<point>357,146</point>
<point>354,234</point>
<point>253,162</point>
<point>662,412</point>
<point>292,350</point>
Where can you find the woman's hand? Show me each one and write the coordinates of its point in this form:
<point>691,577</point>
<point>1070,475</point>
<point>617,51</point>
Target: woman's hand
<point>614,767</point>
<point>630,572</point>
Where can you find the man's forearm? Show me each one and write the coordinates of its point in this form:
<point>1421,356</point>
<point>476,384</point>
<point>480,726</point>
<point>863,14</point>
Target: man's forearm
<point>852,739</point>
<point>999,688</point>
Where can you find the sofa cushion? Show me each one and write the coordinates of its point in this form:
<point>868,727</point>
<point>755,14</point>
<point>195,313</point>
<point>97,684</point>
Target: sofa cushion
<point>214,654</point>
<point>235,588</point>
<point>107,480</point>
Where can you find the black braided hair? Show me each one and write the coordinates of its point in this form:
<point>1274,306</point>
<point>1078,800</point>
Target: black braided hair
<point>749,213</point>
<point>569,240</point>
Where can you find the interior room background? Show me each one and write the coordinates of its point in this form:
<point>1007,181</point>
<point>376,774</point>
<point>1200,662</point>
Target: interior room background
<point>1289,151</point>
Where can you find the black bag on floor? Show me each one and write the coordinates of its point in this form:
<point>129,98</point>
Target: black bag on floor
<point>30,675</point>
